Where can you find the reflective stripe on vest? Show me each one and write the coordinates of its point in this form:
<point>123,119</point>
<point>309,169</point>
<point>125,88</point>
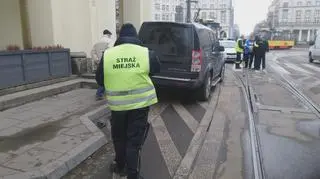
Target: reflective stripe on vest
<point>238,49</point>
<point>130,92</point>
<point>126,78</point>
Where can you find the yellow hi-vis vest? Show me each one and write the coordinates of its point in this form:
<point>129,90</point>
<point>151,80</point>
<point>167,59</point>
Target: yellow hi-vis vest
<point>126,78</point>
<point>238,49</point>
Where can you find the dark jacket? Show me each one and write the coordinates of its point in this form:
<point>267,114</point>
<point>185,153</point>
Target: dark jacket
<point>260,49</point>
<point>129,36</point>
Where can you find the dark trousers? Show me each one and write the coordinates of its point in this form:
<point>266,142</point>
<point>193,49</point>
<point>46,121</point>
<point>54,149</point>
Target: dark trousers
<point>248,59</point>
<point>251,59</point>
<point>129,130</point>
<point>100,91</point>
<point>257,61</point>
<point>238,60</point>
<point>263,61</point>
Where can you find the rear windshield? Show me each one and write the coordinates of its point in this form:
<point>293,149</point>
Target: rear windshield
<point>228,44</point>
<point>167,39</point>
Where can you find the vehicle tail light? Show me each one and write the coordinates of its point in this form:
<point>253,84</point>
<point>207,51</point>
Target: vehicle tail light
<point>196,61</point>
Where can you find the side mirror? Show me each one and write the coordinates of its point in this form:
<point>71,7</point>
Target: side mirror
<point>311,43</point>
<point>221,49</point>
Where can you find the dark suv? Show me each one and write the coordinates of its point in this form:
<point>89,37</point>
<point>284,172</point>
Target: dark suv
<point>190,55</point>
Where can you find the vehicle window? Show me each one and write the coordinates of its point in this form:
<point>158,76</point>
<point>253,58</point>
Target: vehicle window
<point>205,39</point>
<point>228,44</point>
<point>167,39</point>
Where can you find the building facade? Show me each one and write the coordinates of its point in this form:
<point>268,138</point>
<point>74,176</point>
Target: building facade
<point>221,11</point>
<point>74,24</point>
<point>301,18</point>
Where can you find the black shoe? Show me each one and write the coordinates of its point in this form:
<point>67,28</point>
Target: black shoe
<point>115,169</point>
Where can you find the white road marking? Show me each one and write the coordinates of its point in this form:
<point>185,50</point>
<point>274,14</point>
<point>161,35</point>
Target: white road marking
<point>280,69</point>
<point>297,68</point>
<point>187,117</point>
<point>168,149</point>
<point>312,67</point>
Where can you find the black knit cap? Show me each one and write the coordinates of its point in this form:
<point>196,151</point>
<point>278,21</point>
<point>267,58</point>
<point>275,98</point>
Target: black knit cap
<point>107,32</point>
<point>128,30</point>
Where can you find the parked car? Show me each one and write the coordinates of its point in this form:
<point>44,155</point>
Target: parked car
<point>230,53</point>
<point>314,50</point>
<point>189,53</point>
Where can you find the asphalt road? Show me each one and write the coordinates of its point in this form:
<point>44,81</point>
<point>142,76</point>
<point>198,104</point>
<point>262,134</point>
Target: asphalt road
<point>287,127</point>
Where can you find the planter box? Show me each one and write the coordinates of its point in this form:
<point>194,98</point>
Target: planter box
<point>27,66</point>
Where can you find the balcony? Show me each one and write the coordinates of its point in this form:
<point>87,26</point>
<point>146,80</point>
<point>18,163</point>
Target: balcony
<point>299,23</point>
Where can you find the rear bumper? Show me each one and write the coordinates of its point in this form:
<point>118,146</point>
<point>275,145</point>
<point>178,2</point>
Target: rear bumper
<point>162,81</point>
<point>230,59</point>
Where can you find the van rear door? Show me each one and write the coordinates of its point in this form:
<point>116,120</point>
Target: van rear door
<point>173,43</point>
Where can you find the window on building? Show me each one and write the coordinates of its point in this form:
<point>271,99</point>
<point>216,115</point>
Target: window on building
<point>298,16</point>
<point>204,15</point>
<point>167,7</point>
<point>211,6</point>
<point>223,17</point>
<point>167,17</point>
<point>299,3</point>
<point>285,4</point>
<point>223,6</point>
<point>309,3</point>
<point>317,16</point>
<point>308,15</point>
<point>163,7</point>
<point>157,17</point>
<point>211,15</point>
<point>317,3</point>
<point>163,17</point>
<point>204,5</point>
<point>157,6</point>
<point>285,13</point>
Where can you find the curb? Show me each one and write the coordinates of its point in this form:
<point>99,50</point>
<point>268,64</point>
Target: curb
<point>70,159</point>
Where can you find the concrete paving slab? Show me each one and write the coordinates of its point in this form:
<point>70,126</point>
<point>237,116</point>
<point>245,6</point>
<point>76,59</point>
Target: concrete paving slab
<point>80,130</point>
<point>4,157</point>
<point>7,171</point>
<point>5,123</point>
<point>34,158</point>
<point>61,143</point>
<point>10,131</point>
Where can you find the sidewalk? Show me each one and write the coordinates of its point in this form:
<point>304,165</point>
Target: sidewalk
<point>222,155</point>
<point>49,137</point>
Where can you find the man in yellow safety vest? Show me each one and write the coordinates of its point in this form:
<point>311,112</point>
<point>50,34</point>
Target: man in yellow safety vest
<point>239,49</point>
<point>124,72</point>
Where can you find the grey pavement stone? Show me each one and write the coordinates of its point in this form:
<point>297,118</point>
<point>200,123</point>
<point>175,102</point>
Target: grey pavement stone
<point>84,150</point>
<point>80,130</point>
<point>5,123</point>
<point>10,131</point>
<point>4,157</point>
<point>55,170</point>
<point>7,171</point>
<point>31,123</point>
<point>61,143</point>
<point>24,148</point>
<point>26,175</point>
<point>34,158</point>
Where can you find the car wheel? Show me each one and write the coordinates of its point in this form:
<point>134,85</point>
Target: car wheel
<point>310,58</point>
<point>205,90</point>
<point>223,69</point>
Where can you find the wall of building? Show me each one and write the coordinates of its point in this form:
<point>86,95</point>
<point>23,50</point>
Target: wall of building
<point>40,22</point>
<point>137,11</point>
<point>10,31</point>
<point>78,24</point>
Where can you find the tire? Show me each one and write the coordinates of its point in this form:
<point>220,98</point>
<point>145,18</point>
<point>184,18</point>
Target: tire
<point>222,73</point>
<point>204,91</point>
<point>310,58</point>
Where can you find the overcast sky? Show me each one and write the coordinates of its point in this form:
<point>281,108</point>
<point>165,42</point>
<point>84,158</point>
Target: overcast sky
<point>250,12</point>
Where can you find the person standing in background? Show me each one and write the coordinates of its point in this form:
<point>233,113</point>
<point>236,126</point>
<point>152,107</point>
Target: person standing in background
<point>96,55</point>
<point>266,49</point>
<point>259,51</point>
<point>239,49</point>
<point>248,52</point>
